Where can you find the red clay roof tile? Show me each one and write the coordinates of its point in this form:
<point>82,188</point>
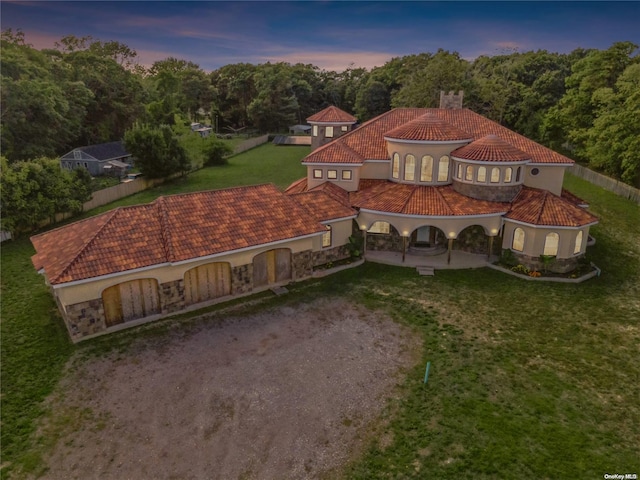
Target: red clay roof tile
<point>490,148</point>
<point>322,206</point>
<point>428,128</point>
<point>543,208</point>
<point>171,229</point>
<point>331,114</point>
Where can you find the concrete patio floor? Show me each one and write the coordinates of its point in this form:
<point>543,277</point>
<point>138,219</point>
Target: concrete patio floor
<point>459,260</point>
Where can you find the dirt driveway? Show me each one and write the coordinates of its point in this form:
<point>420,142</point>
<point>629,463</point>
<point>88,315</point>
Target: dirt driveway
<point>284,394</point>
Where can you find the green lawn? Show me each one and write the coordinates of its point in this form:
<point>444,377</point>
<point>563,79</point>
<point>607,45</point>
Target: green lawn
<point>528,379</point>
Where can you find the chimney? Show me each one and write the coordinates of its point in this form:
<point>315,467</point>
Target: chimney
<point>451,100</point>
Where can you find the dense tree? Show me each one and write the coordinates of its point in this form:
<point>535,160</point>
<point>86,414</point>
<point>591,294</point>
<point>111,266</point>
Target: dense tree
<point>216,151</point>
<point>275,106</point>
<point>35,191</point>
<point>157,151</point>
<point>613,142</point>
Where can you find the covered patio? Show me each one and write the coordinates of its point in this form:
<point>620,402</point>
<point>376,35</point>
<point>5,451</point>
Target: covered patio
<point>458,260</point>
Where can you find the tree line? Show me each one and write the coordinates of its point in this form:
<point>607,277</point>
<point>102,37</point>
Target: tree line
<point>585,104</point>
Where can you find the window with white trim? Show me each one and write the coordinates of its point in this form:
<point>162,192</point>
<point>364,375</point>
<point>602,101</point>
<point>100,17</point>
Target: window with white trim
<point>409,167</point>
<point>426,169</point>
<point>77,154</point>
<point>332,174</point>
<point>328,132</point>
<point>380,227</point>
<point>507,174</point>
<point>551,244</point>
<point>518,240</point>
<point>317,173</point>
<point>481,176</point>
<point>347,175</point>
<point>344,128</point>
<point>443,169</point>
<point>495,175</point>
<point>315,130</point>
<point>578,246</point>
<point>468,176</point>
<point>395,166</point>
<point>326,237</point>
<point>459,173</point>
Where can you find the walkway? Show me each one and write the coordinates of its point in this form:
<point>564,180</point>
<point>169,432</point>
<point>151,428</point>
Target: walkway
<point>459,260</point>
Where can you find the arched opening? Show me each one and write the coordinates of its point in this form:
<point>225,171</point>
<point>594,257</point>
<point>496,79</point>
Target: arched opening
<point>130,300</point>
<point>427,240</point>
<point>578,246</point>
<point>207,282</point>
<point>273,266</point>
<point>551,244</point>
<point>517,243</point>
<point>409,167</point>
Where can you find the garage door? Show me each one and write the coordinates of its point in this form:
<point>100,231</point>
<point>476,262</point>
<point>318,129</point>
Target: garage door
<point>271,267</point>
<point>131,300</point>
<point>207,282</point>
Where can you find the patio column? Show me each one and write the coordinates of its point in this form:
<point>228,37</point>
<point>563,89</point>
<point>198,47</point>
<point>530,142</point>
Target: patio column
<point>490,247</point>
<point>363,229</point>
<point>404,247</point>
<point>450,247</point>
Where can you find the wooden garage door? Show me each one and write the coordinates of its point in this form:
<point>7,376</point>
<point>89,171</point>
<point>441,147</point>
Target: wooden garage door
<point>272,267</point>
<point>207,282</point>
<point>131,300</point>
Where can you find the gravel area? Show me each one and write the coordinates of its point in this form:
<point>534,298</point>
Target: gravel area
<point>288,393</point>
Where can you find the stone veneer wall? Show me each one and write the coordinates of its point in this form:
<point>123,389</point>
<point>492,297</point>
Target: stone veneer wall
<point>557,265</point>
<point>242,279</point>
<point>302,264</point>
<point>85,318</point>
<point>172,296</point>
<point>487,192</point>
<point>330,255</point>
<point>473,240</point>
<point>383,242</point>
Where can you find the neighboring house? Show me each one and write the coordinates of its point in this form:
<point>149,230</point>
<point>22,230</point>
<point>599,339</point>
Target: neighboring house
<point>412,180</point>
<point>100,159</point>
<point>299,130</point>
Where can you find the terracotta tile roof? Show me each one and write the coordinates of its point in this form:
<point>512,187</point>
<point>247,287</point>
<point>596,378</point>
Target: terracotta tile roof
<point>490,148</point>
<point>428,127</point>
<point>298,186</point>
<point>540,207</point>
<point>171,229</point>
<point>567,195</point>
<point>334,191</point>
<point>422,200</point>
<point>331,115</point>
<point>322,206</point>
<point>367,141</point>
<point>335,152</point>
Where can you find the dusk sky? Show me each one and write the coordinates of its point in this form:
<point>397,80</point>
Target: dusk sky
<point>331,35</point>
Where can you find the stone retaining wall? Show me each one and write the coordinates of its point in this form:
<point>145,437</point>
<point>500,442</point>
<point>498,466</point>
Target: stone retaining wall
<point>330,255</point>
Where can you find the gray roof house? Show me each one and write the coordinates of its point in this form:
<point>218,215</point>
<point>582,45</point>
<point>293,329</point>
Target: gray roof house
<point>98,159</point>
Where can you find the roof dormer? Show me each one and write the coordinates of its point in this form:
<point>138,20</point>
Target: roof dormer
<point>329,124</point>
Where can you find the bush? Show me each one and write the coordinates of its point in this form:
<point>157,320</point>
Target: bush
<point>216,152</point>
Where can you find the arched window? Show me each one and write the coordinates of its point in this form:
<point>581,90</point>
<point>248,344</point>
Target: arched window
<point>395,166</point>
<point>507,174</point>
<point>482,175</point>
<point>380,227</point>
<point>443,169</point>
<point>495,175</point>
<point>426,169</point>
<point>578,246</point>
<point>518,239</point>
<point>551,244</point>
<point>459,174</point>
<point>409,167</point>
<point>468,176</point>
<point>518,174</point>
<point>326,237</point>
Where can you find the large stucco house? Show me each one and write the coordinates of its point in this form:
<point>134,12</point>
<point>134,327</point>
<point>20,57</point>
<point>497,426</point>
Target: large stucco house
<point>414,180</point>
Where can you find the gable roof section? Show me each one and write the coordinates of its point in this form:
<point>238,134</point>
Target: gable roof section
<point>332,114</point>
<point>490,148</point>
<point>543,208</point>
<point>334,152</point>
<point>171,229</point>
<point>424,200</point>
<point>103,151</point>
<point>367,141</point>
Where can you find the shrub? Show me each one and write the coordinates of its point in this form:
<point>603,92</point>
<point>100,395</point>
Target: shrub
<point>520,269</point>
<point>216,152</point>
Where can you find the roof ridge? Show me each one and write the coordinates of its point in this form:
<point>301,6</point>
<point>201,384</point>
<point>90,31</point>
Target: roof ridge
<point>86,244</point>
<point>409,197</point>
<point>165,230</point>
<point>437,189</point>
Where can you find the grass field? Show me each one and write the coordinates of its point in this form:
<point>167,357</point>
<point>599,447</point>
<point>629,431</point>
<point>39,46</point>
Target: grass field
<point>528,380</point>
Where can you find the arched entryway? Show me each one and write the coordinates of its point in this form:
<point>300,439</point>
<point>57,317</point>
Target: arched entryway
<point>131,300</point>
<point>427,240</point>
<point>273,266</point>
<point>207,282</point>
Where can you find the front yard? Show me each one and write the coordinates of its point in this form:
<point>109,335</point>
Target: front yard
<point>528,379</point>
